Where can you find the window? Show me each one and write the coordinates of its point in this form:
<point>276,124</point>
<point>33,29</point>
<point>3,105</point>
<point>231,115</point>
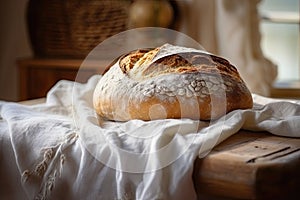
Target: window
<point>280,37</point>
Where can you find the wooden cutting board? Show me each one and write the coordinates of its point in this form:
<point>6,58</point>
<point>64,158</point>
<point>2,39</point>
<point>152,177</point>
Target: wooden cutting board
<point>250,165</point>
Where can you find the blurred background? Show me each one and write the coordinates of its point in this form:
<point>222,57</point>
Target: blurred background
<point>43,41</point>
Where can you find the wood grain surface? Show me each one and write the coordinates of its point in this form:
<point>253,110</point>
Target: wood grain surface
<point>250,165</point>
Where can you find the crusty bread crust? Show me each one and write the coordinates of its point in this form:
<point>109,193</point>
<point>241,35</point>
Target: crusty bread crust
<point>158,84</point>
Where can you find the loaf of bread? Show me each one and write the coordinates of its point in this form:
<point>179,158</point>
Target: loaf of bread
<point>170,82</point>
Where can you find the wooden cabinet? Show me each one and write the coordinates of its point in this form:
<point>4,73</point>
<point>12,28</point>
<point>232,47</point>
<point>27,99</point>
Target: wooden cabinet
<point>286,89</point>
<point>37,76</point>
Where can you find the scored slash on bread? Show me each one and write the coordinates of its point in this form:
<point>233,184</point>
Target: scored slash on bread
<point>170,82</point>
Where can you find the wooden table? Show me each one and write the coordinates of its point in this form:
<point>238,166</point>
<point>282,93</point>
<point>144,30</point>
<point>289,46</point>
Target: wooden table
<point>250,165</point>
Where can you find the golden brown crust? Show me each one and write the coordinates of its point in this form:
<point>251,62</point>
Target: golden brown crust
<point>196,85</point>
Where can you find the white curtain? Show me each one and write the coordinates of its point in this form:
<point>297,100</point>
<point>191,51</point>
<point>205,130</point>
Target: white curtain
<point>230,28</point>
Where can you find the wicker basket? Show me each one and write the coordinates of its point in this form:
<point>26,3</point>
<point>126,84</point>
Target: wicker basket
<point>72,28</point>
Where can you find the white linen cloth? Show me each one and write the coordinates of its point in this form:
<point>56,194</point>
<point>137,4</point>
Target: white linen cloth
<point>60,150</point>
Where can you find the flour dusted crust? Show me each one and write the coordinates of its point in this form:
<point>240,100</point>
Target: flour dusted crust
<point>170,82</point>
